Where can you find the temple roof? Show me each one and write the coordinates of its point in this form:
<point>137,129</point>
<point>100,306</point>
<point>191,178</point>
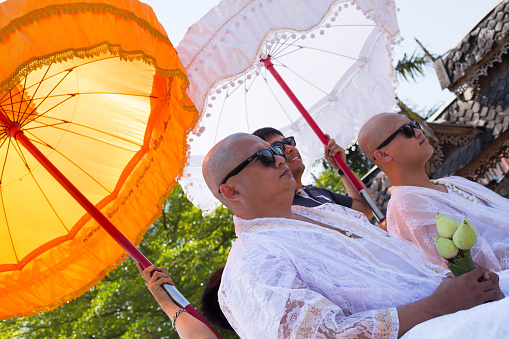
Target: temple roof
<point>485,40</point>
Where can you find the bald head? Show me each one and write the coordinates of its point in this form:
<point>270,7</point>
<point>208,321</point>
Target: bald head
<point>259,189</point>
<point>377,129</point>
<point>223,158</point>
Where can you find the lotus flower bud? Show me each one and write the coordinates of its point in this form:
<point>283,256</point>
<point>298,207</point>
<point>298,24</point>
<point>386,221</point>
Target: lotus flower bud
<point>466,235</point>
<point>446,248</point>
<point>446,226</point>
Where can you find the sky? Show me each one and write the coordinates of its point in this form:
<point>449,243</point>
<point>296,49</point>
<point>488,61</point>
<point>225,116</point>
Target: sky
<point>438,24</point>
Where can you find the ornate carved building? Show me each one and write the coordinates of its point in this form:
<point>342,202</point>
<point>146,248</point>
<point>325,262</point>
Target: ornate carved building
<point>470,134</point>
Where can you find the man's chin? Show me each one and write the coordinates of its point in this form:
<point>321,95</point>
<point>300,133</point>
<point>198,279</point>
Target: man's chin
<point>296,166</point>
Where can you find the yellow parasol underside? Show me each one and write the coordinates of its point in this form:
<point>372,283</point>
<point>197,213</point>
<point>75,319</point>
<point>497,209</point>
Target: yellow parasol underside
<point>98,87</point>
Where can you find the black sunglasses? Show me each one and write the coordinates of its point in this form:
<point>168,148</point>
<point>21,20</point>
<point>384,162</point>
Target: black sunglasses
<point>407,129</point>
<point>266,156</point>
<point>286,141</point>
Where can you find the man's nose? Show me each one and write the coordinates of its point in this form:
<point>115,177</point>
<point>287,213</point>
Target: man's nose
<point>279,161</point>
<point>289,149</point>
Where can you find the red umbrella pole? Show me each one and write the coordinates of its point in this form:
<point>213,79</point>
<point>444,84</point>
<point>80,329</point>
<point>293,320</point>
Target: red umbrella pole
<point>14,130</point>
<point>344,167</point>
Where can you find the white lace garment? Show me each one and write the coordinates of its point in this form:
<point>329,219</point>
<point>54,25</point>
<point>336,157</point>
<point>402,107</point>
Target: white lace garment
<point>411,215</point>
<point>291,279</point>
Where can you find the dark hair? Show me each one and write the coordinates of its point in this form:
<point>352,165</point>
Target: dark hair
<point>210,305</point>
<point>266,132</point>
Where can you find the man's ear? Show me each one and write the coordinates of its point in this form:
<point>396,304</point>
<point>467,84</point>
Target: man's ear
<point>382,156</point>
<point>229,192</point>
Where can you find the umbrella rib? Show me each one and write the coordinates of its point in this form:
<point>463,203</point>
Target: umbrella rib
<point>38,86</point>
<point>93,129</point>
<point>12,105</point>
<point>274,95</point>
<point>233,91</point>
<point>286,45</point>
<point>252,82</point>
<point>245,106</point>
<point>220,115</point>
<point>45,125</point>
<point>279,46</point>
<point>79,94</point>
<point>307,81</point>
<point>21,155</point>
<point>42,114</point>
<point>5,161</point>
<point>22,95</point>
<point>1,119</point>
<point>289,52</point>
<point>56,74</point>
<point>74,94</point>
<point>7,93</point>
<point>8,227</point>
<point>41,142</point>
<point>49,202</point>
<point>46,96</point>
<point>320,50</point>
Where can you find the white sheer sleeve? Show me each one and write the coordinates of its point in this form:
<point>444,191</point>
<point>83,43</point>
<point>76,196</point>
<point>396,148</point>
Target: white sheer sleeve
<point>411,218</point>
<point>272,301</point>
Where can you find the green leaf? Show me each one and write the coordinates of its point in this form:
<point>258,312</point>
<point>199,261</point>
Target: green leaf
<point>463,265</point>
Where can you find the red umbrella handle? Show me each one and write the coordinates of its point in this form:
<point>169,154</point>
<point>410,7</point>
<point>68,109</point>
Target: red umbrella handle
<point>344,167</point>
<point>14,130</point>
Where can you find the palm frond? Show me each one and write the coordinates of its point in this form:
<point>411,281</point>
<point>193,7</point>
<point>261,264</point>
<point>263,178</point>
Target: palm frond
<point>412,66</point>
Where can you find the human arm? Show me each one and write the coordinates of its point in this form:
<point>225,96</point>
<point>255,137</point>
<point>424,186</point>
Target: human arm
<point>358,203</point>
<point>452,295</point>
<point>187,326</point>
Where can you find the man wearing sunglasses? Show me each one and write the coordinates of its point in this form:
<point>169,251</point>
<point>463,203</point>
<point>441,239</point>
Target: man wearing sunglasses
<point>399,147</point>
<point>309,195</point>
<point>326,272</point>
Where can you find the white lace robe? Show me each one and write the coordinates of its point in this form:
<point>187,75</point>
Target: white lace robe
<point>411,215</point>
<point>291,279</point>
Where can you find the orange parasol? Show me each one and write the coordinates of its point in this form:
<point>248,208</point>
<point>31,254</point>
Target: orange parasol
<point>92,97</point>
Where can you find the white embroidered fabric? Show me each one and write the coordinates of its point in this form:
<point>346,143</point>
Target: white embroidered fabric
<point>411,215</point>
<point>292,279</point>
<point>334,54</point>
<point>490,320</point>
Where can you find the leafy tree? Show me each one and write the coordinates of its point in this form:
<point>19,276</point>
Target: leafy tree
<point>187,245</point>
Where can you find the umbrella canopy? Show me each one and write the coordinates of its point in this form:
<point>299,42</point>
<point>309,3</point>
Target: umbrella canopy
<point>335,56</point>
<point>98,87</point>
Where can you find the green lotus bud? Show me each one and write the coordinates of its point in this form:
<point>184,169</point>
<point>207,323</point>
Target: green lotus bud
<point>466,235</point>
<point>446,226</point>
<point>446,248</point>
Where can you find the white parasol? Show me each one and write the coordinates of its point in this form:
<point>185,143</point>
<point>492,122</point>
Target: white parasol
<point>334,55</point>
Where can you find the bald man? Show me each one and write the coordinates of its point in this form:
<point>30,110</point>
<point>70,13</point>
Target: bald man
<point>399,147</point>
<point>324,272</point>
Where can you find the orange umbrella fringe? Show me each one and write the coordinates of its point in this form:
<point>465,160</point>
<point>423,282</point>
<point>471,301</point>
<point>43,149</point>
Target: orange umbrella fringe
<point>36,63</point>
<point>73,8</point>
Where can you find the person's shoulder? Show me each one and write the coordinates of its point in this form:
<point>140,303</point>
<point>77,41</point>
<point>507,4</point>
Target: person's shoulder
<point>408,198</point>
<point>460,180</point>
<point>404,192</point>
<point>315,188</point>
